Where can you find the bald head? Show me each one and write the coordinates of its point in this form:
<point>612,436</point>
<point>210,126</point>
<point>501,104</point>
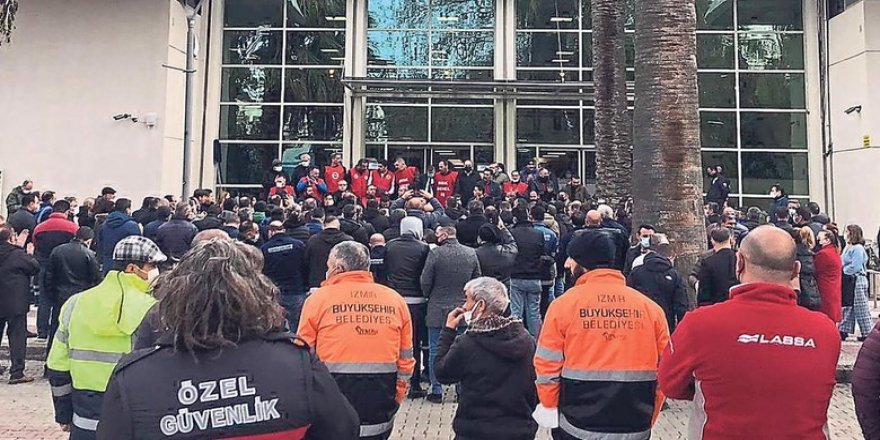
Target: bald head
<point>594,218</point>
<point>768,255</point>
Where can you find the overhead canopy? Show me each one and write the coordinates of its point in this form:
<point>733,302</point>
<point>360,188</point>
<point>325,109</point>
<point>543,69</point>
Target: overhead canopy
<point>471,89</point>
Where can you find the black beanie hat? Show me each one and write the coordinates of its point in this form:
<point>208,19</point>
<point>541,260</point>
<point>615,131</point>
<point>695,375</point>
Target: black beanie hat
<point>592,249</point>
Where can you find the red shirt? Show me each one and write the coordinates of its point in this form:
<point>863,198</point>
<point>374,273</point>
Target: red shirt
<point>444,185</point>
<point>288,190</point>
<point>520,188</point>
<point>358,182</point>
<point>384,183</point>
<point>760,365</point>
<point>406,176</point>
<point>334,175</point>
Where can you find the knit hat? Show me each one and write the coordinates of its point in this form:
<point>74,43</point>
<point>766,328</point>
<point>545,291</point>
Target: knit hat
<point>592,249</point>
<point>412,225</point>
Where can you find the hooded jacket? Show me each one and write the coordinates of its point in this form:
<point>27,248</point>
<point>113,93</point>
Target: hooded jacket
<point>95,330</point>
<point>809,290</point>
<point>493,363</point>
<point>118,226</point>
<point>175,237</point>
<point>469,228</point>
<point>318,250</point>
<point>405,259</point>
<point>658,280</point>
<point>16,270</point>
<point>756,366</point>
<point>356,230</point>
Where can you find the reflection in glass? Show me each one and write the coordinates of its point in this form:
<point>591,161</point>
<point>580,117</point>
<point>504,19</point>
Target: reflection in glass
<point>252,47</point>
<point>547,14</point>
<point>313,85</point>
<point>762,170</point>
<point>397,14</point>
<point>465,74</point>
<point>564,164</point>
<point>312,123</point>
<point>590,126</point>
<point>462,49</point>
<point>254,122</point>
<point>320,153</point>
<point>253,13</point>
<point>715,51</point>
<point>765,90</point>
<point>392,73</point>
<point>456,155</point>
<point>774,130</point>
<point>590,168</point>
<point>728,161</point>
<point>396,123</point>
<point>553,126</point>
<point>316,14</point>
<point>250,84</point>
<point>484,155</point>
<point>765,51</point>
<point>548,75</point>
<point>414,156</point>
<point>523,156</point>
<point>245,163</point>
<point>463,14</point>
<point>717,130</point>
<point>462,124</point>
<point>311,47</point>
<point>776,15</point>
<point>547,49</point>
<point>375,151</point>
<point>717,90</point>
<point>397,48</point>
<point>714,14</point>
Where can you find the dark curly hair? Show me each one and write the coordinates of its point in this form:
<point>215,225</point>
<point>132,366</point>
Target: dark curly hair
<point>216,297</point>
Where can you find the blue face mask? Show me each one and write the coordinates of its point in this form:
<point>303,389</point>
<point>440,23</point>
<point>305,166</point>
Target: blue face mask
<point>645,242</point>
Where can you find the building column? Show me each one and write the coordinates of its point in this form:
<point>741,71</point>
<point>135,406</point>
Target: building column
<point>354,135</point>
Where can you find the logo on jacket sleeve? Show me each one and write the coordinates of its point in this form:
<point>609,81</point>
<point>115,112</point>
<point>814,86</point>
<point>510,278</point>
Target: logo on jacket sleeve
<point>784,340</point>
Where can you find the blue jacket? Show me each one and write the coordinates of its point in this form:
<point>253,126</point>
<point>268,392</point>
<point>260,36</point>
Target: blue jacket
<point>285,264</point>
<point>118,226</point>
<point>151,230</point>
<point>42,214</point>
<point>550,240</point>
<point>174,238</point>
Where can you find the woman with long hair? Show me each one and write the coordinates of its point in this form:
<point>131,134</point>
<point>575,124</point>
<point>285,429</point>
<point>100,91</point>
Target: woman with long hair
<point>224,367</point>
<point>855,263</point>
<point>829,273</point>
<point>807,289</point>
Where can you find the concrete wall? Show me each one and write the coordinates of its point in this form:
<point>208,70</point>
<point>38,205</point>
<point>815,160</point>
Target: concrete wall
<point>854,57</point>
<point>71,66</point>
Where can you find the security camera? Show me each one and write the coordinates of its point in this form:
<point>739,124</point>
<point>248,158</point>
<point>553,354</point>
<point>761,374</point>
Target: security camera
<point>855,108</point>
<point>121,116</point>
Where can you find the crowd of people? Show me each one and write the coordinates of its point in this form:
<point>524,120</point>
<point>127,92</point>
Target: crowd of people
<point>315,308</point>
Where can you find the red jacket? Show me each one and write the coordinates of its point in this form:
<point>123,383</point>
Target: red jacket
<point>334,175</point>
<point>444,185</point>
<point>828,270</point>
<point>756,366</point>
<point>520,188</point>
<point>55,231</point>
<point>358,182</point>
<point>406,176</point>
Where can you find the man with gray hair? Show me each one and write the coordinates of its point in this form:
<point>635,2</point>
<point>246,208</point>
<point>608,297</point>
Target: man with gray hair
<point>497,404</point>
<point>362,331</point>
<point>448,268</point>
<point>784,353</point>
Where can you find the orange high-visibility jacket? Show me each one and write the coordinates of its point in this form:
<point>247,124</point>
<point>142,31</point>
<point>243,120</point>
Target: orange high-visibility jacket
<point>597,358</point>
<point>362,331</point>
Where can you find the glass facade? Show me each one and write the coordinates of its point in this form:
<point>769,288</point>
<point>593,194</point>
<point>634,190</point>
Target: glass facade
<point>283,59</point>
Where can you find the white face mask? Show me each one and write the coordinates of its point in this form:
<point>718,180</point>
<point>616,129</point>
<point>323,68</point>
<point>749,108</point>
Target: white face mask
<point>152,275</point>
<point>279,184</point>
<point>469,315</point>
<point>305,163</point>
<point>645,242</point>
<point>277,169</point>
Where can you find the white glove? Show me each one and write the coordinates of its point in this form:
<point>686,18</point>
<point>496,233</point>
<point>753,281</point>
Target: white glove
<point>546,417</point>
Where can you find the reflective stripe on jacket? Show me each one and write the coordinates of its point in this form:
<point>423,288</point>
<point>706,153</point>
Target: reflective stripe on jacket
<point>362,331</point>
<point>96,328</point>
<point>597,357</point>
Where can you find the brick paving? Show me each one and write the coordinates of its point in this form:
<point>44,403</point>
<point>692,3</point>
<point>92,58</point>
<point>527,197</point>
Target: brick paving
<point>28,415</point>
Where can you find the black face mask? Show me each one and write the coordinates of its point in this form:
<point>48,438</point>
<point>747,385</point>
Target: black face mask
<point>468,169</point>
<point>544,179</point>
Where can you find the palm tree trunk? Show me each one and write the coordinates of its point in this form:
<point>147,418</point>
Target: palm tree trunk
<point>667,182</point>
<point>613,156</point>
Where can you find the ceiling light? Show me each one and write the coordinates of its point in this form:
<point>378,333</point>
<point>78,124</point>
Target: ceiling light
<point>438,51</point>
<point>335,18</point>
<point>564,53</point>
<point>449,18</point>
<point>327,50</point>
<point>561,19</point>
<point>560,60</point>
<point>337,58</point>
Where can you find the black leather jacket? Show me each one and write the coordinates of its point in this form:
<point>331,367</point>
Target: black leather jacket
<point>72,268</point>
<point>404,261</point>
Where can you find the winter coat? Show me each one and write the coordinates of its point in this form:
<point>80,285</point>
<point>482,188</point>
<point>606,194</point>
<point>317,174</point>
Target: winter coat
<point>464,185</point>
<point>71,269</point>
<point>405,259</point>
<point>758,343</point>
<point>302,403</point>
<point>497,259</point>
<point>829,274</point>
<point>578,193</point>
<point>377,265</point>
<point>808,296</point>
<point>285,264</point>
<point>530,250</point>
<point>866,386</point>
<point>144,216</point>
<point>16,270</point>
<point>719,190</point>
<point>13,200</point>
<point>53,232</point>
<point>658,280</point>
<point>299,231</point>
<point>151,229</point>
<point>430,220</point>
<point>546,189</point>
<point>717,275</point>
<point>376,219</point>
<point>209,222</point>
<point>318,250</point>
<point>175,237</point>
<point>447,269</point>
<point>493,364</point>
<point>779,202</point>
<point>468,229</point>
<point>21,220</point>
<point>118,226</point>
<point>358,231</point>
